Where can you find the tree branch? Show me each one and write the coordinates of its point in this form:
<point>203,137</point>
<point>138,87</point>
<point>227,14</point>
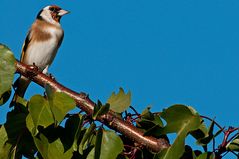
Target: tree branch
<point>87,105</point>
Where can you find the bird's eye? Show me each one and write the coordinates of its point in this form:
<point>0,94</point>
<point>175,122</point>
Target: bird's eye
<point>52,9</point>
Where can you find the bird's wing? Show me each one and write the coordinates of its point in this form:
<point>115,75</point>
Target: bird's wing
<point>60,39</point>
<point>25,46</point>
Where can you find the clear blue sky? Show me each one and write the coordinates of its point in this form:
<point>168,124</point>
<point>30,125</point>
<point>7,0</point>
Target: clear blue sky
<point>165,52</point>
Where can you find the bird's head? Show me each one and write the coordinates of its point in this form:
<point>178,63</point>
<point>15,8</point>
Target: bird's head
<point>52,14</point>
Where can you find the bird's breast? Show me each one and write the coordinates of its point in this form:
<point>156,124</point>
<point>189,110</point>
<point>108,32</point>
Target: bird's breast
<point>42,53</point>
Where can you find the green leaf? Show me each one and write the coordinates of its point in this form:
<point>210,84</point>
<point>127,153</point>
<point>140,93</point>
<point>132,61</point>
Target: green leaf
<point>7,69</point>
<point>30,125</point>
<point>40,112</point>
<point>26,145</point>
<point>5,147</point>
<point>97,106</point>
<point>15,124</point>
<point>5,96</point>
<point>102,110</point>
<point>60,103</point>
<point>178,118</point>
<point>73,124</point>
<point>182,120</point>
<point>14,127</point>
<point>49,92</point>
<point>150,122</point>
<point>98,143</point>
<point>21,102</point>
<point>96,109</point>
<point>53,150</point>
<point>146,114</point>
<point>234,145</point>
<point>151,131</point>
<point>206,155</point>
<point>111,146</point>
<point>77,133</point>
<point>200,133</point>
<point>87,135</point>
<point>148,117</point>
<point>210,135</point>
<point>188,154</point>
<point>13,153</point>
<point>145,124</point>
<point>119,102</point>
<point>74,130</point>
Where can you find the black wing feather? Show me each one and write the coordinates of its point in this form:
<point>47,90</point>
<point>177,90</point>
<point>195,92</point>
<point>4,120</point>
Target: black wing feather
<point>25,45</point>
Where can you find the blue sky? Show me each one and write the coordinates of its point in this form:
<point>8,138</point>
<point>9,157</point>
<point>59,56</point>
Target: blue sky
<point>165,52</point>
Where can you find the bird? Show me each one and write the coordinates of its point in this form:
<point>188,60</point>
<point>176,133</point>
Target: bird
<point>41,44</point>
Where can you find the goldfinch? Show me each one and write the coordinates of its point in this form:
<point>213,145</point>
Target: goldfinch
<point>41,44</point>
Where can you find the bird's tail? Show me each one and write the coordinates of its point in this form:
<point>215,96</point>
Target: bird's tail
<point>20,87</point>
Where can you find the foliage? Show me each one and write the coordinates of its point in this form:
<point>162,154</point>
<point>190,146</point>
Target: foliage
<point>43,127</point>
<point>119,102</point>
<point>7,70</point>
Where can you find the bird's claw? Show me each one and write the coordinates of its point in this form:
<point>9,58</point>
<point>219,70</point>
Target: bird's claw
<point>84,95</point>
<point>52,77</point>
<point>33,70</point>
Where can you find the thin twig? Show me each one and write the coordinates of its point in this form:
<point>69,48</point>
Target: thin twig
<point>221,128</point>
<point>234,153</point>
<point>235,135</point>
<point>134,110</point>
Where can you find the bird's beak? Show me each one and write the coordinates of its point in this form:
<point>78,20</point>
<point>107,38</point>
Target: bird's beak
<point>62,12</point>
